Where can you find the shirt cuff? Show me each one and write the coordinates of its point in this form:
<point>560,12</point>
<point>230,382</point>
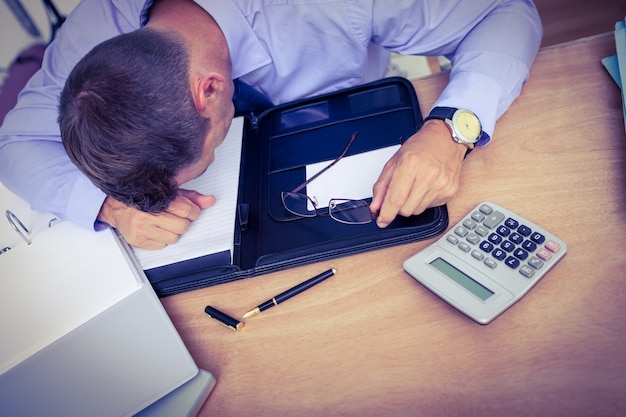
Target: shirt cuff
<point>475,92</point>
<point>84,204</point>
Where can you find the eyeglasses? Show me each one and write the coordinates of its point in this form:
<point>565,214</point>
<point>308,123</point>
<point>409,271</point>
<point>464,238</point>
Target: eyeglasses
<point>343,210</point>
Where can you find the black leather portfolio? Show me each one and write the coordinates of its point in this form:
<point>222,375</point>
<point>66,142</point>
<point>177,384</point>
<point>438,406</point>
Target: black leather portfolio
<point>278,144</point>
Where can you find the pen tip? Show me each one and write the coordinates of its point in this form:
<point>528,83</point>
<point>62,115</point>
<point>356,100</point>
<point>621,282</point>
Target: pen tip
<point>251,313</point>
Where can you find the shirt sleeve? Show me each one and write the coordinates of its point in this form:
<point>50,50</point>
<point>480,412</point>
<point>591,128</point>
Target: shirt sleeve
<point>491,45</point>
<point>33,162</point>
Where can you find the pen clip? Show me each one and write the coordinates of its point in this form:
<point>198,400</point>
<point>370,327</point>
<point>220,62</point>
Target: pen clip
<point>19,227</point>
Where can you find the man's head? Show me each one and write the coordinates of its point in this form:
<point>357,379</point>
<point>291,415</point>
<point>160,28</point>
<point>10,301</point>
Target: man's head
<point>131,122</point>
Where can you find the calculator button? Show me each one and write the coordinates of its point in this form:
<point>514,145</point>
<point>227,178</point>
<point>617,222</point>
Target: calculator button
<point>486,246</point>
<point>529,246</point>
<point>478,255</point>
<point>512,223</point>
<point>493,219</point>
<point>461,231</point>
<point>527,271</point>
<point>524,230</point>
<point>481,231</point>
<point>520,254</point>
<point>535,262</point>
<point>544,254</point>
<point>516,238</point>
<point>452,239</point>
<point>490,263</point>
<point>485,209</point>
<point>469,224</point>
<point>512,262</point>
<point>507,246</point>
<point>473,239</point>
<point>552,246</point>
<point>499,254</point>
<point>477,216</point>
<point>503,231</point>
<point>494,238</point>
<point>464,247</point>
<point>538,238</point>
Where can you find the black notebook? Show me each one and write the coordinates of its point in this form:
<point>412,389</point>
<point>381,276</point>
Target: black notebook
<point>252,232</point>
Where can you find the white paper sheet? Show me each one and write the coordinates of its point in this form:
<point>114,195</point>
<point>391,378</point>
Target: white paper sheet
<point>352,177</point>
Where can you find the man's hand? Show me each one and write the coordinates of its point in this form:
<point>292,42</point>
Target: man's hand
<point>155,231</point>
<point>424,173</point>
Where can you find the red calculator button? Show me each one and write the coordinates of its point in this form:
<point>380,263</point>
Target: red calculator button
<point>544,254</point>
<point>552,246</point>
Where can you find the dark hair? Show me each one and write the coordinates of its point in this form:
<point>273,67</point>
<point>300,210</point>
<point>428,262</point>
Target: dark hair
<point>128,120</point>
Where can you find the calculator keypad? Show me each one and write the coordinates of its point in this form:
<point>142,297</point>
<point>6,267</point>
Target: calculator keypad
<point>497,240</point>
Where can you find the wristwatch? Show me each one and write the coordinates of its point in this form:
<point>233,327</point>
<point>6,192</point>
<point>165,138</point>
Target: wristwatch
<point>464,125</point>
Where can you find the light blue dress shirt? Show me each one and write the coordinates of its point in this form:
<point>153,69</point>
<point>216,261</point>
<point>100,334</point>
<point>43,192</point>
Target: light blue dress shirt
<point>286,49</point>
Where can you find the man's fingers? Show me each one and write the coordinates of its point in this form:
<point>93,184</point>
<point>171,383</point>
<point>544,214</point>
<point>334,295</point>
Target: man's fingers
<point>397,191</point>
<point>160,230</point>
<point>402,189</point>
<point>188,204</point>
<point>201,200</point>
<point>380,189</point>
<point>154,231</point>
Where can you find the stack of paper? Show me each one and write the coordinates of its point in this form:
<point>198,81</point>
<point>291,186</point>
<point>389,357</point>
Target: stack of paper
<point>616,64</point>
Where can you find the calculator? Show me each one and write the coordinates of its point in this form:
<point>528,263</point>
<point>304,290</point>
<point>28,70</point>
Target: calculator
<point>487,261</point>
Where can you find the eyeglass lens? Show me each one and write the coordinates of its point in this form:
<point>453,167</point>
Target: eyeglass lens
<point>350,211</point>
<point>298,204</point>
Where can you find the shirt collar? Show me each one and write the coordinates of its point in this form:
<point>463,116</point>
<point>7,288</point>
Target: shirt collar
<point>247,53</point>
<point>143,17</point>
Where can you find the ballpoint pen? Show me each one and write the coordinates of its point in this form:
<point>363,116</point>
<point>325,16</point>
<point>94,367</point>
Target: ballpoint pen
<point>291,292</point>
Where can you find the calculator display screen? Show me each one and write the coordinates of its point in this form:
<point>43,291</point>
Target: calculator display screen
<point>462,279</point>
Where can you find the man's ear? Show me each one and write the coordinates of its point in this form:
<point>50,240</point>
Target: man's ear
<point>206,89</point>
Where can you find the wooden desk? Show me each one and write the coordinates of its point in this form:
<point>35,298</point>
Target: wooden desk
<point>371,341</point>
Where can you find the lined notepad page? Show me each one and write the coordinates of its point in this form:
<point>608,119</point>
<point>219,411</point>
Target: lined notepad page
<point>213,231</point>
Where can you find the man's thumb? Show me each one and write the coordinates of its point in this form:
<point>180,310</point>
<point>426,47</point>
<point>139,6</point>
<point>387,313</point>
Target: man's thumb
<point>201,200</point>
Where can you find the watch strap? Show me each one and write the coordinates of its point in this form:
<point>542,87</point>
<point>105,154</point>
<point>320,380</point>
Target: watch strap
<point>442,113</point>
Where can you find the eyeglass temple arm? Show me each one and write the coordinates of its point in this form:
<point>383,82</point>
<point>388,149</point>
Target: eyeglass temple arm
<point>304,184</point>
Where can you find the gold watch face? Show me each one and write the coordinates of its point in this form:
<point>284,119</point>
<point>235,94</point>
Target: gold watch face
<point>467,125</point>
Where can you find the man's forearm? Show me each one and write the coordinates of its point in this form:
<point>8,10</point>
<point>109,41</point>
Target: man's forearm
<point>41,173</point>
